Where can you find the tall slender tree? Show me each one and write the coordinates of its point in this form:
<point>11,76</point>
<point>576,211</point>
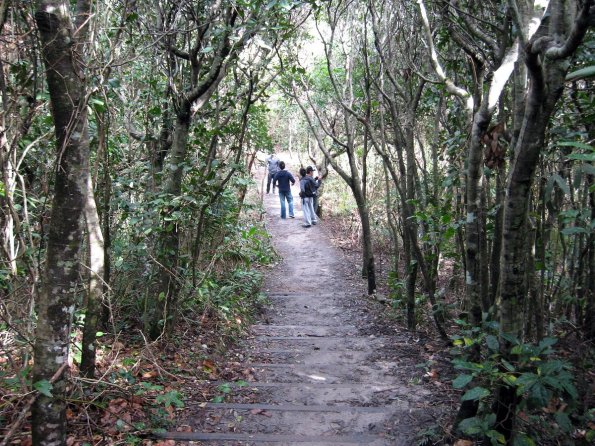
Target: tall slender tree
<point>61,49</point>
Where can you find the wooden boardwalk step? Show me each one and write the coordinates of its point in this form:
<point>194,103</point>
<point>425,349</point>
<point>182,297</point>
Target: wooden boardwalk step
<point>359,439</point>
<point>317,385</point>
<point>329,338</point>
<point>298,408</point>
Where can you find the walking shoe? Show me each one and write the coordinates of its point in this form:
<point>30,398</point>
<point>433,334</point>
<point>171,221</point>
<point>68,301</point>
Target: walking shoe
<point>306,226</point>
<point>314,222</point>
<point>291,216</point>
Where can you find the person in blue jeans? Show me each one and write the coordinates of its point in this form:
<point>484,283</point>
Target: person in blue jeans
<point>282,180</point>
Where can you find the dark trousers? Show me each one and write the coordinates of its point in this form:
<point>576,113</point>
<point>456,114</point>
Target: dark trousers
<point>269,181</point>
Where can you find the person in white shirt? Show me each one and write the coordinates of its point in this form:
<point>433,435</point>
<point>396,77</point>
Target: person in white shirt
<point>272,168</point>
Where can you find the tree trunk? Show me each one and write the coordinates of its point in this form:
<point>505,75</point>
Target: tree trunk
<point>56,302</point>
<point>368,252</point>
<point>497,241</point>
<point>547,70</point>
<point>106,212</point>
<point>94,296</point>
<point>160,305</point>
<point>589,322</point>
<point>474,226</point>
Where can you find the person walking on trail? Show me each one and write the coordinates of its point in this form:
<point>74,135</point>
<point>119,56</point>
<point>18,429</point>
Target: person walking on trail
<point>308,188</point>
<point>302,195</point>
<point>282,180</point>
<point>272,168</point>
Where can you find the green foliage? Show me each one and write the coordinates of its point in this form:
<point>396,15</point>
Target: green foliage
<point>543,384</point>
<point>170,399</point>
<point>44,387</point>
<point>226,389</point>
<point>14,381</point>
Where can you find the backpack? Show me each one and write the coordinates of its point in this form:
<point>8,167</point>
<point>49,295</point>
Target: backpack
<point>309,189</point>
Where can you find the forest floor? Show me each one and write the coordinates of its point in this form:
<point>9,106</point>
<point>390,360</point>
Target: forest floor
<point>324,364</point>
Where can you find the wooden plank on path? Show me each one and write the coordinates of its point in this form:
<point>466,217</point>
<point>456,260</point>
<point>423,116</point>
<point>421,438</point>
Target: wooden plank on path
<point>298,408</point>
<point>359,439</point>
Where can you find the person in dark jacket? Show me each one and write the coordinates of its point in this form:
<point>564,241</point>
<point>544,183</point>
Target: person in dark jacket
<point>308,188</point>
<point>282,180</point>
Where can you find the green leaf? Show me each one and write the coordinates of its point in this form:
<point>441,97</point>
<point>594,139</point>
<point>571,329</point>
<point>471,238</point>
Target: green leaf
<point>522,440</point>
<point>562,184</point>
<point>581,74</point>
<point>527,379</point>
<point>471,426</point>
<point>589,169</point>
<point>517,350</point>
<point>44,387</point>
<point>461,381</point>
<point>449,233</point>
<point>573,230</point>
<point>577,144</point>
<point>563,421</point>
<point>225,388</point>
<point>540,393</point>
<point>155,111</point>
<point>508,366</point>
<point>492,343</point>
<point>476,393</point>
<point>547,342</point>
<point>582,156</point>
<point>570,389</point>
<point>173,398</point>
<point>497,436</point>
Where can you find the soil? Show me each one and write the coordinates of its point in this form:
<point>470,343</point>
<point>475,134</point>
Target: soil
<point>324,365</point>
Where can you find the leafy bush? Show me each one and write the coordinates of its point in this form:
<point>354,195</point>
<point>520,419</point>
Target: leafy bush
<point>544,386</point>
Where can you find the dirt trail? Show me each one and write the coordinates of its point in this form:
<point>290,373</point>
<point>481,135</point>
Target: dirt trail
<point>321,377</point>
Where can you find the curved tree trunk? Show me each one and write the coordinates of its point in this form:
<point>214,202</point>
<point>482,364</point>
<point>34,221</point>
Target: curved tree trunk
<point>545,61</point>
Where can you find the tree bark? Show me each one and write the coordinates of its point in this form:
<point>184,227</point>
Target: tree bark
<point>95,283</point>
<point>162,298</point>
<point>544,58</point>
<point>56,302</point>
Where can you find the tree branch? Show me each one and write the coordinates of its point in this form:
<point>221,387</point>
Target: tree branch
<point>581,24</point>
<point>459,92</point>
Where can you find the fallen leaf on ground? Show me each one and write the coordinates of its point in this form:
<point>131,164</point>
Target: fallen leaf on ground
<point>432,374</point>
<point>151,374</point>
<point>260,412</point>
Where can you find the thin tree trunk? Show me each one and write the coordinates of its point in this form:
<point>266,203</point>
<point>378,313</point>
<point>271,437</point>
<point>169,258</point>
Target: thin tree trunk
<point>497,240</point>
<point>56,302</point>
<point>94,296</point>
<point>589,322</point>
<point>160,304</point>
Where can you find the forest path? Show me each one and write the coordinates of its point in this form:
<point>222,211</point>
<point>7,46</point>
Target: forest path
<point>317,374</point>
